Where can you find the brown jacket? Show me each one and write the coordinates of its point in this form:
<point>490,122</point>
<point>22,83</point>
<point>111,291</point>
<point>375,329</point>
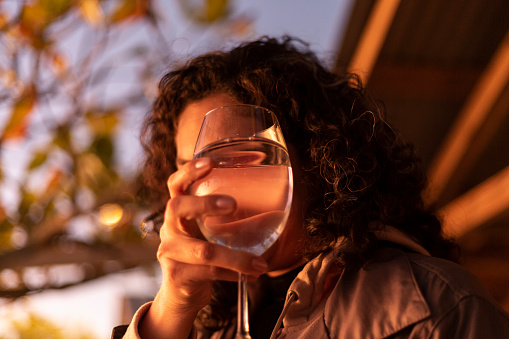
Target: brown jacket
<point>399,294</point>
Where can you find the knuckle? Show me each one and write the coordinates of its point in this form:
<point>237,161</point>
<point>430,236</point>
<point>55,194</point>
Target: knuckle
<point>186,207</point>
<point>170,180</point>
<point>175,213</point>
<point>173,270</point>
<point>161,253</point>
<point>174,204</point>
<point>204,251</point>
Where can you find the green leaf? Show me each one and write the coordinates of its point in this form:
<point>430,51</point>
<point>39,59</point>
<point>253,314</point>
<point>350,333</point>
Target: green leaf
<point>216,9</point>
<point>103,148</point>
<point>62,138</point>
<point>35,326</point>
<point>205,11</point>
<point>55,8</point>
<point>26,201</point>
<point>5,235</point>
<point>102,123</point>
<point>38,327</point>
<point>38,160</point>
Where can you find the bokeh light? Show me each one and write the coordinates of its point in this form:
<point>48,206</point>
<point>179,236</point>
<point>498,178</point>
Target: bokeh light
<point>110,214</point>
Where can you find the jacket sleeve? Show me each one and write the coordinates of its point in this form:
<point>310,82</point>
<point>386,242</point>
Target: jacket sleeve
<point>473,317</point>
<point>131,331</point>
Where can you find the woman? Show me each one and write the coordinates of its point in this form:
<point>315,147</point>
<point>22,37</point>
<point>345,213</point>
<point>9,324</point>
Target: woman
<point>360,256</point>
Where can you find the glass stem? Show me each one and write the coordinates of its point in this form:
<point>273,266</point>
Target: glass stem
<point>242,309</point>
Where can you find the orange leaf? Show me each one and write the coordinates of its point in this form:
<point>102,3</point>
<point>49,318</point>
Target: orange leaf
<point>59,63</point>
<point>92,12</point>
<point>19,115</point>
<point>33,19</point>
<point>53,182</point>
<point>241,26</point>
<point>128,9</point>
<point>8,77</point>
<point>3,215</point>
<point>3,20</point>
<point>37,16</point>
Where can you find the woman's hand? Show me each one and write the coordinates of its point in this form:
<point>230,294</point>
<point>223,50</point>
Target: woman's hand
<point>190,264</point>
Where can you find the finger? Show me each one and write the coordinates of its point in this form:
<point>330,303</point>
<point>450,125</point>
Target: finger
<point>182,211</point>
<point>190,207</point>
<point>199,252</point>
<point>179,182</point>
<point>181,273</point>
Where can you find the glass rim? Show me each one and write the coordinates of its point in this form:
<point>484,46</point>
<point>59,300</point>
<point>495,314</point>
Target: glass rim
<point>249,108</point>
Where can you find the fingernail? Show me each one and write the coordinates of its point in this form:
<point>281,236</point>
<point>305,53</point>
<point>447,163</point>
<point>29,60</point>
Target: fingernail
<point>224,203</point>
<point>259,264</point>
<point>202,162</point>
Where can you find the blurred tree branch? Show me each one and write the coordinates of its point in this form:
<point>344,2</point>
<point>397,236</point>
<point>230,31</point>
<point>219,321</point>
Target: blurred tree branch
<point>73,73</point>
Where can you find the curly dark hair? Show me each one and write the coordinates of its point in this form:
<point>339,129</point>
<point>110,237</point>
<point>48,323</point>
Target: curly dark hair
<point>361,172</point>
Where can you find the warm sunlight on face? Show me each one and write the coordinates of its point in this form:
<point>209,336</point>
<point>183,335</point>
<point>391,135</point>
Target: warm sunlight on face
<point>190,123</point>
<point>285,251</point>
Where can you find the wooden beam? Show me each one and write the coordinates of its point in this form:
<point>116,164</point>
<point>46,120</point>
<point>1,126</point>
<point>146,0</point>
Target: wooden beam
<point>474,114</point>
<point>425,82</point>
<point>127,254</point>
<point>372,38</point>
<point>479,205</point>
<point>478,146</point>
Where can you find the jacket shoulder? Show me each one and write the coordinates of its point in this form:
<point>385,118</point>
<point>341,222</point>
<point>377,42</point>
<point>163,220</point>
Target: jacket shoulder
<point>445,282</point>
<point>460,305</point>
<point>411,295</point>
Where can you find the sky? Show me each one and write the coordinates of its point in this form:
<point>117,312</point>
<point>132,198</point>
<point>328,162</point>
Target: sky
<point>95,306</point>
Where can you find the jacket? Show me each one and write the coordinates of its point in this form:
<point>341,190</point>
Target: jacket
<point>401,293</point>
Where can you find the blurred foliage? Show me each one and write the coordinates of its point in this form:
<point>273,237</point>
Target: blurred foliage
<point>36,327</point>
<point>74,75</point>
<point>206,11</point>
<point>39,74</point>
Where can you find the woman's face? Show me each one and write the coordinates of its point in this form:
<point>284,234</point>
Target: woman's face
<point>285,253</point>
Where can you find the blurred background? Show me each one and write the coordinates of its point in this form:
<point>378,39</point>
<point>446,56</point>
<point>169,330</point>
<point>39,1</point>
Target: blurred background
<point>78,76</point>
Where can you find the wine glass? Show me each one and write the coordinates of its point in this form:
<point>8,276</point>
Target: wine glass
<point>252,165</point>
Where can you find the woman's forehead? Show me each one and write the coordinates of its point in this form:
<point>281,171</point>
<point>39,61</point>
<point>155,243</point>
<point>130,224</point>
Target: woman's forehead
<point>190,121</point>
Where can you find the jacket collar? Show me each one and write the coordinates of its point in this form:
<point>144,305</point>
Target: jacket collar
<point>384,291</point>
<point>310,289</point>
